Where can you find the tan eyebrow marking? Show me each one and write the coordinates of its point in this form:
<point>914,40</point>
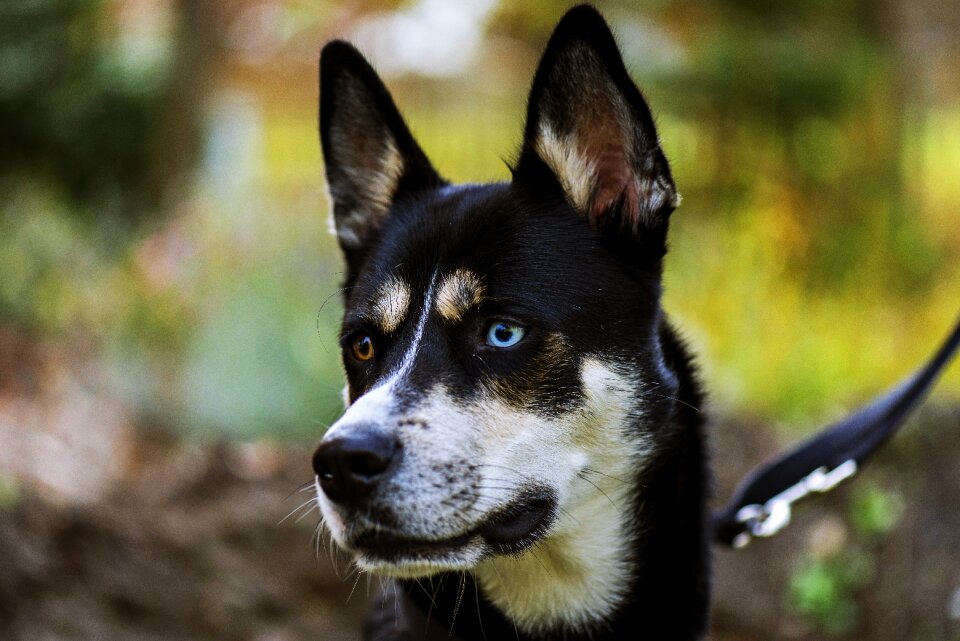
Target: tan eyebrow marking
<point>391,304</point>
<point>458,292</point>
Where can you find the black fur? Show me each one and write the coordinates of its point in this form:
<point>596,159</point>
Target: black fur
<point>355,104</point>
<point>591,275</point>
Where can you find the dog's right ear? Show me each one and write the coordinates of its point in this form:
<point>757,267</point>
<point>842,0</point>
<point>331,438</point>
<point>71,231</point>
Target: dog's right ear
<point>589,128</point>
<point>371,159</point>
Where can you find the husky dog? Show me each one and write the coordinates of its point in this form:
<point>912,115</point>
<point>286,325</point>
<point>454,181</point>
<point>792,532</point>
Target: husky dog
<point>522,453</point>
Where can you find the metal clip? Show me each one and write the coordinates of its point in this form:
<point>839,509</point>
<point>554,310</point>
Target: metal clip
<point>774,515</point>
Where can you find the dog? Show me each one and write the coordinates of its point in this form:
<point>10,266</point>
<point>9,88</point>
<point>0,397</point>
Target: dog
<point>522,453</point>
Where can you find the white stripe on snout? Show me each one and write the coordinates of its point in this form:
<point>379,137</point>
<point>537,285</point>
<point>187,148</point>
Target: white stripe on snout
<point>373,406</point>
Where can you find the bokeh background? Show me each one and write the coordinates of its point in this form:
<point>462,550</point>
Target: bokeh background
<point>169,303</point>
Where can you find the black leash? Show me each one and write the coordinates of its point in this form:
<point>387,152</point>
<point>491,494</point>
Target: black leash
<point>761,504</point>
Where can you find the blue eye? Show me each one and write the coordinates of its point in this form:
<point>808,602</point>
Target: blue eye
<point>503,334</point>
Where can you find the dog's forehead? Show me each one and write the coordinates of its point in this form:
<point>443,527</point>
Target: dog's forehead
<point>482,242</point>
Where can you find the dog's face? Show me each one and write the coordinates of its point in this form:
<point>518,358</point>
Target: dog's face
<point>506,384</point>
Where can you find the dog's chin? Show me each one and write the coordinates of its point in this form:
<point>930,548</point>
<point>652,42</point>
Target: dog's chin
<point>508,531</point>
<point>420,567</point>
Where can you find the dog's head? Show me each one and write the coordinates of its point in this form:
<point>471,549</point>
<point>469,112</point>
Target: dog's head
<point>501,341</point>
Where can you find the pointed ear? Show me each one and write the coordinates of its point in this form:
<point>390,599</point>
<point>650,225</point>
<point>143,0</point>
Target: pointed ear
<point>588,124</point>
<point>371,159</point>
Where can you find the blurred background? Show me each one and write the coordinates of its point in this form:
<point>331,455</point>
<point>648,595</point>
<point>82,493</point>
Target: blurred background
<point>169,303</point>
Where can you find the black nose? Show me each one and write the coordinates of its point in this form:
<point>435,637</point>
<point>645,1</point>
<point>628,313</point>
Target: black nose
<point>349,467</point>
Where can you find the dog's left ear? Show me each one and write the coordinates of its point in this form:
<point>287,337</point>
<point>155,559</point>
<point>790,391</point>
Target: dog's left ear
<point>372,160</point>
<point>588,125</point>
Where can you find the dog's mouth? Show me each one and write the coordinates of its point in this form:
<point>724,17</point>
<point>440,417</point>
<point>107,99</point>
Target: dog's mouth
<point>520,524</point>
<point>509,530</point>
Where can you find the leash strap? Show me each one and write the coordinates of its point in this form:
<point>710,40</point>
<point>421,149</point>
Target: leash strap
<point>761,504</point>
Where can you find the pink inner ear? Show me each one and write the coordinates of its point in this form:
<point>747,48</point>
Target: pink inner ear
<point>614,178</point>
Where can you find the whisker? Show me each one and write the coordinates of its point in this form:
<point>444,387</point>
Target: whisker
<point>433,604</point>
<point>359,574</point>
<point>396,601</point>
<point>593,471</point>
<point>334,558</point>
<point>476,596</point>
<point>599,489</point>
<point>569,515</point>
<point>671,398</point>
<point>536,557</point>
<point>420,585</point>
<point>317,533</point>
<point>502,467</point>
<point>335,292</point>
<point>300,488</point>
<point>315,506</point>
<point>456,608</point>
<point>309,501</point>
<point>497,487</point>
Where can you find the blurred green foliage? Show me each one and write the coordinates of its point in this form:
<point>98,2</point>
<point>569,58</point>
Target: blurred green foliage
<point>262,357</point>
<point>60,280</point>
<point>874,510</point>
<point>824,586</point>
<point>77,109</point>
<point>823,590</point>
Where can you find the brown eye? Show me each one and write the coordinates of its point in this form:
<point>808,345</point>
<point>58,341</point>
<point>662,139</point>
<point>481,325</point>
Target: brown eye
<point>362,348</point>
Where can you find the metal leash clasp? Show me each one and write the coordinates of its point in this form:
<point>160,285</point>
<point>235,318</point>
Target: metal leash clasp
<point>774,515</point>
